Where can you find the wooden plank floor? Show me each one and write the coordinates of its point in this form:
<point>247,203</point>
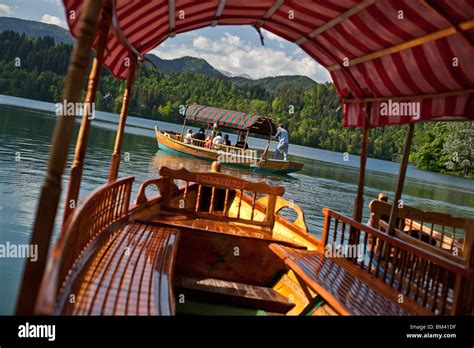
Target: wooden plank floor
<point>130,275</point>
<point>238,294</point>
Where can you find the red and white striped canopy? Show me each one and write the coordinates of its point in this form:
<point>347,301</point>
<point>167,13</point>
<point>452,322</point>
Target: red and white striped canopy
<point>387,52</point>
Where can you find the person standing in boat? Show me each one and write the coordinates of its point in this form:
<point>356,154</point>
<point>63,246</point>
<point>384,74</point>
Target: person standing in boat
<point>283,142</point>
<point>200,137</point>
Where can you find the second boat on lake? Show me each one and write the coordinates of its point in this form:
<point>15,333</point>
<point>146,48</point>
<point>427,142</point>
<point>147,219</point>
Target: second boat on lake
<point>236,156</point>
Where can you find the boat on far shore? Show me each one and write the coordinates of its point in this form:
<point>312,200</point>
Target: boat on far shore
<point>244,158</point>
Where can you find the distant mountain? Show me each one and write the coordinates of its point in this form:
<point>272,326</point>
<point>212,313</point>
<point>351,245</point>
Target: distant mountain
<point>226,73</point>
<point>235,76</point>
<point>242,76</point>
<point>35,29</point>
<point>184,64</point>
<point>274,83</point>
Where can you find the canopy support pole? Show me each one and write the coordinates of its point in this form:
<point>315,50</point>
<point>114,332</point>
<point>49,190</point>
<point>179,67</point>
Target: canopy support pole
<point>115,163</point>
<point>182,130</point>
<point>359,201</point>
<point>83,135</point>
<point>61,140</point>
<point>246,138</point>
<point>401,179</point>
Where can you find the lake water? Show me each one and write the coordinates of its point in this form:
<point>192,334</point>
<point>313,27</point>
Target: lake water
<point>326,181</point>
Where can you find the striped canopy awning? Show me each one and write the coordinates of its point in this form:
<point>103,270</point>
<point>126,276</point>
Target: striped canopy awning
<point>386,53</point>
<point>230,119</point>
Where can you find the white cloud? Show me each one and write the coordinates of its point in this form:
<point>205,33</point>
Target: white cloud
<point>52,20</point>
<point>200,42</point>
<point>237,56</point>
<point>54,2</point>
<point>5,10</point>
<point>271,36</point>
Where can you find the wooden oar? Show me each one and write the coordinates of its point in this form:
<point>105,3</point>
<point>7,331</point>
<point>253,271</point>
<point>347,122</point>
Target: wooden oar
<point>264,154</point>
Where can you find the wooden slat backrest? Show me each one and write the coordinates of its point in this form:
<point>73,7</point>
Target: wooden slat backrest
<point>107,205</point>
<point>426,277</point>
<point>227,185</point>
<point>441,230</point>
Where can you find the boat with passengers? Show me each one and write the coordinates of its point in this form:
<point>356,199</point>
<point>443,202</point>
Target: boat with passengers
<point>240,157</point>
<point>223,243</point>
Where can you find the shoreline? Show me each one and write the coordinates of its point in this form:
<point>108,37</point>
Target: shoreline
<point>145,127</point>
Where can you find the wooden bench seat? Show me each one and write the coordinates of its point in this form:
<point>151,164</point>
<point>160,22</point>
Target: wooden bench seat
<point>196,224</point>
<point>131,274</point>
<point>233,293</point>
<point>341,286</point>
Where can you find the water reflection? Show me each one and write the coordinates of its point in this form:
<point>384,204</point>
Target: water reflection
<point>320,184</point>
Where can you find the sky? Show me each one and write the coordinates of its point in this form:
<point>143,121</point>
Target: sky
<point>235,49</point>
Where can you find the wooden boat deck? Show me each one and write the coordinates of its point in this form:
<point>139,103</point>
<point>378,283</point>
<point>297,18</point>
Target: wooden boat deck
<point>225,292</point>
<point>248,160</point>
<point>131,274</point>
<point>338,285</point>
<point>196,224</point>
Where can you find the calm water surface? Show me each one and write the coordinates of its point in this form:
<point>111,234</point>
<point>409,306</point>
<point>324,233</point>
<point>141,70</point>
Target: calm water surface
<point>326,181</point>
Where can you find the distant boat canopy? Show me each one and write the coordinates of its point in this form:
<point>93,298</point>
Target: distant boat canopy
<point>231,119</point>
<point>377,52</point>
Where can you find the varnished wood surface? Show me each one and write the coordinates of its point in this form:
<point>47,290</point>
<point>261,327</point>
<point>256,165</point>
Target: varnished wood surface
<point>51,188</point>
<point>212,155</point>
<point>243,295</point>
<point>99,214</point>
<point>430,281</point>
<point>131,274</point>
<point>115,161</point>
<point>77,166</point>
<point>216,196</point>
<point>197,224</point>
<point>297,292</point>
<point>434,225</point>
<point>227,257</point>
<point>221,180</point>
<point>337,285</point>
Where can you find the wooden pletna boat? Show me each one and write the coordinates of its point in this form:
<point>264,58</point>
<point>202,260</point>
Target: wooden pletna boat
<point>252,159</point>
<point>210,243</point>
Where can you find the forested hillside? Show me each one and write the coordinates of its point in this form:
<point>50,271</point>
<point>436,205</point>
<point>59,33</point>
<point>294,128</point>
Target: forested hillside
<point>35,68</point>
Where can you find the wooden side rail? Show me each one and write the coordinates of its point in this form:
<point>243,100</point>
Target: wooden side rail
<point>438,229</point>
<point>102,209</point>
<point>342,286</point>
<point>426,246</point>
<point>427,278</point>
<point>197,142</point>
<point>281,204</point>
<point>141,196</point>
<point>213,189</point>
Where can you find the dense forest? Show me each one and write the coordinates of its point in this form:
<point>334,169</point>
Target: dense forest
<point>36,68</point>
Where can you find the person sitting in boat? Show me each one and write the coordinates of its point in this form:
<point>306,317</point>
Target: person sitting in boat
<point>283,142</point>
<point>227,140</point>
<point>209,139</point>
<point>199,136</point>
<point>188,138</point>
<point>241,143</point>
<point>217,141</point>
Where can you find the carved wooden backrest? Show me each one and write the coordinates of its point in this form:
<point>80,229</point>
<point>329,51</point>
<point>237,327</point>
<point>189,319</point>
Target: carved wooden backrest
<point>210,195</point>
<point>450,234</point>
